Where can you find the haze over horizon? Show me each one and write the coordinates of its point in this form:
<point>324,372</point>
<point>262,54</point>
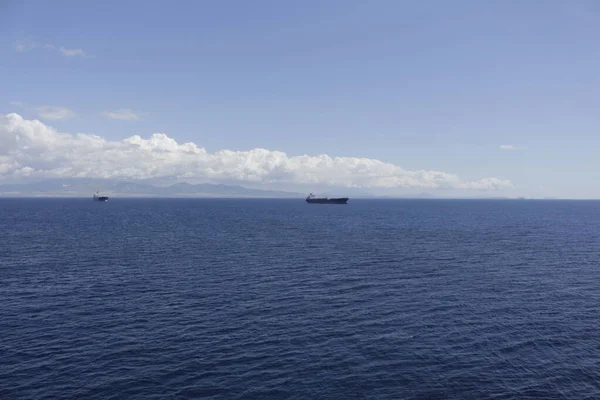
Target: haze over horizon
<point>461,99</point>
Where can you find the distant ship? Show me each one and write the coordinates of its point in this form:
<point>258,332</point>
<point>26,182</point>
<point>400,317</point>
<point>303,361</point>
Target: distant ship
<point>326,200</point>
<point>97,197</point>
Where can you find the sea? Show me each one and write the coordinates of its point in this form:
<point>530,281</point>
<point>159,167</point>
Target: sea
<point>279,299</point>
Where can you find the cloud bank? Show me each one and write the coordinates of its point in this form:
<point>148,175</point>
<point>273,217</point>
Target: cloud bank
<point>31,149</point>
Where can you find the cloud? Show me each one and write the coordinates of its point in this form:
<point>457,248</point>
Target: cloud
<point>72,52</point>
<point>26,45</point>
<point>55,113</point>
<point>511,147</point>
<point>65,51</point>
<point>122,114</point>
<point>29,148</point>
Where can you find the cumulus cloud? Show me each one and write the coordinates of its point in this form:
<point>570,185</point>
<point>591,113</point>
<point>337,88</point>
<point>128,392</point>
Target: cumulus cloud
<point>55,113</point>
<point>511,147</point>
<point>29,148</point>
<point>122,114</point>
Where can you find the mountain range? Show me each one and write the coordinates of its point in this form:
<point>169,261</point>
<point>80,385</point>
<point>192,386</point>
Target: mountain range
<point>83,187</point>
<point>86,187</point>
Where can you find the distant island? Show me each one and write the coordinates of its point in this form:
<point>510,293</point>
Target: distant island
<point>86,187</point>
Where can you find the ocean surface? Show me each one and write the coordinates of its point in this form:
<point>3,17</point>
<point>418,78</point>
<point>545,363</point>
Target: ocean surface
<point>279,299</point>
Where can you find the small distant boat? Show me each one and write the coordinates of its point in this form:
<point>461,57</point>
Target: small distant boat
<point>97,197</point>
<point>326,200</point>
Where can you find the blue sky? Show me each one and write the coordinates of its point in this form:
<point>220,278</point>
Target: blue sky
<point>431,85</point>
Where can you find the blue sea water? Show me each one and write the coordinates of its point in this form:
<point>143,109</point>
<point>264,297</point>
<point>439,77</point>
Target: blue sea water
<point>279,299</point>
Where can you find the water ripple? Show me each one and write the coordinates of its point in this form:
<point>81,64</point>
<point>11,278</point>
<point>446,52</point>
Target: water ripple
<point>245,299</point>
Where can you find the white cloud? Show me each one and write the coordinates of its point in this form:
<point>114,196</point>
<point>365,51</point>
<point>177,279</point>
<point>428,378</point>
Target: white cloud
<point>29,148</point>
<point>26,45</point>
<point>71,52</point>
<point>122,114</point>
<point>55,113</point>
<point>511,147</point>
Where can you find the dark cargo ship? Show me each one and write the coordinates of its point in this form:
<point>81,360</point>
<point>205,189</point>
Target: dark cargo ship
<point>97,197</point>
<point>326,200</point>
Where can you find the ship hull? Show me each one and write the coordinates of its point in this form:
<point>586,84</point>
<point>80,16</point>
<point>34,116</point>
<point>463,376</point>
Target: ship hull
<point>342,200</point>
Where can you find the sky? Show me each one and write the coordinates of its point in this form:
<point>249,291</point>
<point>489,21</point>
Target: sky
<point>462,98</point>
